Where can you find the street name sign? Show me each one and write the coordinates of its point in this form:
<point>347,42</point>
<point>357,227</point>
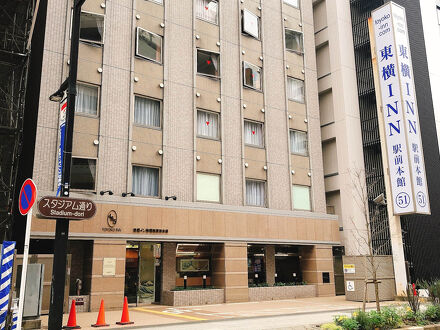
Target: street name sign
<point>66,208</point>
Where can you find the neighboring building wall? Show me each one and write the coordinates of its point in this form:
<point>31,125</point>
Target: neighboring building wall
<point>340,119</point>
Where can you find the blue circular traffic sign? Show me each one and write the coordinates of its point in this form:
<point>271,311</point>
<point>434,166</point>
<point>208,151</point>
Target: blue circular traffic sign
<point>27,197</point>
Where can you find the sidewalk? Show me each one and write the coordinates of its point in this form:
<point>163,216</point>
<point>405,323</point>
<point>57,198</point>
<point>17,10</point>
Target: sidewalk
<point>153,316</point>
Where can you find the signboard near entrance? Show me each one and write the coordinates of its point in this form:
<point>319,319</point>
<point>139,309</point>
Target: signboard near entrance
<point>109,267</point>
<point>349,269</point>
<point>66,207</point>
<point>350,286</point>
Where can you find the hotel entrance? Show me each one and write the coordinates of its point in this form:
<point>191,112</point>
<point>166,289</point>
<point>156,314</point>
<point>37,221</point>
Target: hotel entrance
<point>142,272</point>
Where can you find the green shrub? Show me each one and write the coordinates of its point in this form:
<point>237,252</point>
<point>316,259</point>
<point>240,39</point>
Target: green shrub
<point>350,324</point>
<point>330,326</point>
<point>339,319</point>
<point>362,318</point>
<point>391,317</point>
<point>433,288</point>
<point>432,313</point>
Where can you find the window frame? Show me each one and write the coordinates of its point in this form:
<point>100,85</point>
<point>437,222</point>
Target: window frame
<point>159,181</point>
<point>265,192</point>
<point>217,18</point>
<point>219,188</point>
<point>218,126</point>
<point>297,7</point>
<point>98,102</point>
<point>244,76</point>
<point>206,74</point>
<point>262,133</point>
<point>137,46</point>
<point>242,24</point>
<point>299,52</point>
<point>304,94</point>
<point>86,41</point>
<point>310,198</point>
<point>160,109</point>
<point>96,175</point>
<point>290,144</point>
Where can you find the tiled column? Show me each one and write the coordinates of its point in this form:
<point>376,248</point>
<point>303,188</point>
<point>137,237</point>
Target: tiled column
<point>316,260</point>
<point>168,268</point>
<point>270,264</point>
<point>230,271</point>
<point>109,288</point>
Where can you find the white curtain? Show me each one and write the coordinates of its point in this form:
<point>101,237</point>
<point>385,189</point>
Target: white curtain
<point>292,3</point>
<point>294,40</point>
<point>207,124</point>
<point>250,23</point>
<point>100,25</point>
<point>298,142</point>
<point>253,133</point>
<point>87,100</point>
<point>207,10</point>
<point>255,193</point>
<point>252,76</point>
<point>295,89</point>
<point>146,112</point>
<point>301,198</point>
<point>145,181</point>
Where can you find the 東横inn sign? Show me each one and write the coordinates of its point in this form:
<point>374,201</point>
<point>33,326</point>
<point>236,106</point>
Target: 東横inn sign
<point>406,164</point>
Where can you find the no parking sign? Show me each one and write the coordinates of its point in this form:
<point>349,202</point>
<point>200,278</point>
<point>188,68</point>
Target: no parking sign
<point>27,197</point>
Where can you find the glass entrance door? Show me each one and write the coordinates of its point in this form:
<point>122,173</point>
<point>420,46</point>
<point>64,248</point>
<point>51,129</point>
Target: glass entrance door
<point>142,258</point>
<point>147,273</point>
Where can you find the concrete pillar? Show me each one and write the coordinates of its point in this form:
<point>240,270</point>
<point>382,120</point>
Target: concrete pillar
<point>316,260</point>
<point>270,264</point>
<point>168,268</point>
<point>110,288</point>
<point>230,271</point>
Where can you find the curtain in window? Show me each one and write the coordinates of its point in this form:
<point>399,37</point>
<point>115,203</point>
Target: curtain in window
<point>251,76</point>
<point>146,112</point>
<point>294,40</point>
<point>298,142</point>
<point>301,197</point>
<point>207,63</point>
<point>255,193</point>
<point>83,173</point>
<point>91,27</point>
<point>250,23</point>
<point>207,10</point>
<point>207,124</point>
<point>295,89</point>
<point>253,133</point>
<point>293,3</point>
<point>145,181</point>
<point>86,100</point>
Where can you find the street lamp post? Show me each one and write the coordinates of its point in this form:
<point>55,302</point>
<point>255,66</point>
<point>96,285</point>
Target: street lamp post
<point>62,225</point>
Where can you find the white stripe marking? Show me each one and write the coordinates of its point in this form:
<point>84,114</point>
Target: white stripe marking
<point>5,284</point>
<point>9,248</point>
<point>6,272</point>
<point>7,259</point>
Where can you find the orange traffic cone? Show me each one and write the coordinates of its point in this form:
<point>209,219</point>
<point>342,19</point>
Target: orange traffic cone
<point>71,323</point>
<point>125,319</point>
<point>100,322</point>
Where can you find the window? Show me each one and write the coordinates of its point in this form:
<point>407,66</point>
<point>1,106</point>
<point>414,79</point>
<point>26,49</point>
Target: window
<point>146,112</point>
<point>208,187</point>
<point>301,198</point>
<point>298,142</point>
<point>91,28</point>
<point>251,76</point>
<point>295,89</point>
<point>208,63</point>
<point>86,101</point>
<point>148,45</point>
<point>207,10</point>
<point>146,181</point>
<point>250,23</point>
<point>255,193</point>
<point>83,174</point>
<point>294,41</point>
<point>294,3</point>
<point>253,133</point>
<point>207,124</point>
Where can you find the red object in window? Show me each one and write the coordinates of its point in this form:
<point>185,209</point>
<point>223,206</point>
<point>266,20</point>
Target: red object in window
<point>207,123</point>
<point>206,7</point>
<point>208,62</point>
<point>253,132</point>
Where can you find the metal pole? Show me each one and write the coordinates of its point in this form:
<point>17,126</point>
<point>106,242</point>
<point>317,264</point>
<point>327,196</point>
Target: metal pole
<point>62,225</point>
<point>27,238</point>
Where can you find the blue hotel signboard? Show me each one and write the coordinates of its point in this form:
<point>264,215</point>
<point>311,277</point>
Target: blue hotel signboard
<point>399,109</point>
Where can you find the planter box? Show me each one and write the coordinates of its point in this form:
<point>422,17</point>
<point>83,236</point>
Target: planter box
<point>194,297</point>
<point>282,292</point>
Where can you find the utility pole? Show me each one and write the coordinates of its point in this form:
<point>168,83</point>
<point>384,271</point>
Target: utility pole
<point>62,225</point>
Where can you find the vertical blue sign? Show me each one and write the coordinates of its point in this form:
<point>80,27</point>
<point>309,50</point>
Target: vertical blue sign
<point>7,260</point>
<point>61,147</point>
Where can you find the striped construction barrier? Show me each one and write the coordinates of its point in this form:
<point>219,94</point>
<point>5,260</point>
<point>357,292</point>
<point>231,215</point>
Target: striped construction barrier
<point>7,259</point>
